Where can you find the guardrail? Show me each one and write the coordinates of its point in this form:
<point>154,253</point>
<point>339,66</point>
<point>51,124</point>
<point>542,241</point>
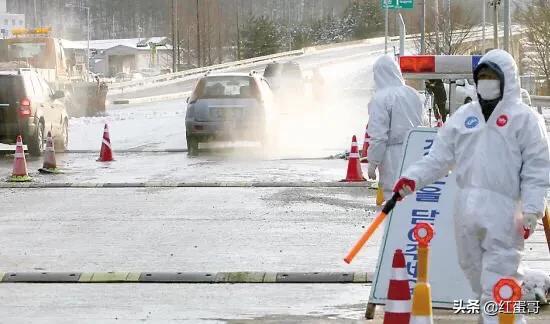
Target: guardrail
<point>540,102</point>
<point>120,87</point>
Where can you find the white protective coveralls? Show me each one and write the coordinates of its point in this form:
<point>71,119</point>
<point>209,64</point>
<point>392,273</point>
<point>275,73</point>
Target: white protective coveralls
<point>394,110</point>
<point>502,169</point>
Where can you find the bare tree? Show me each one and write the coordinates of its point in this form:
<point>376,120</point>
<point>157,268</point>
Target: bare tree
<point>454,32</point>
<point>536,20</point>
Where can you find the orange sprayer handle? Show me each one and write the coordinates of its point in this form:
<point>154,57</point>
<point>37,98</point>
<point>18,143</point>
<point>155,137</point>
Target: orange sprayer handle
<point>390,204</point>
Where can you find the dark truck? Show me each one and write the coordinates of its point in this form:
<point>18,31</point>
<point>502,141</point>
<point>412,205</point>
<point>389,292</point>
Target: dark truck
<point>30,108</point>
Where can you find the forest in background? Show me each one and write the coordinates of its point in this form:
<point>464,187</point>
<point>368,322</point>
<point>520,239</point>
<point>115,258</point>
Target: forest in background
<point>228,29</point>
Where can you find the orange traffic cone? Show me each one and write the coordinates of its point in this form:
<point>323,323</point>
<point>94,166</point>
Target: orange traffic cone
<point>398,304</point>
<point>19,173</point>
<point>49,165</point>
<point>354,174</point>
<point>106,153</point>
<point>366,144</point>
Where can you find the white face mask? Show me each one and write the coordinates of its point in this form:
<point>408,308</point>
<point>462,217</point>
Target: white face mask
<point>488,89</point>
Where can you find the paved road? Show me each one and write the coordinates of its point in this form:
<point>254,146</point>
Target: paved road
<point>161,303</point>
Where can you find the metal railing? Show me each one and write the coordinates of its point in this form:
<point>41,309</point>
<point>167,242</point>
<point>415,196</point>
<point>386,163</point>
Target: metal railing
<point>540,102</point>
<point>120,87</point>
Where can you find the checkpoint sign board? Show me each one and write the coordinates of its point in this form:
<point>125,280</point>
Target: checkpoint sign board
<point>398,4</point>
<point>432,204</point>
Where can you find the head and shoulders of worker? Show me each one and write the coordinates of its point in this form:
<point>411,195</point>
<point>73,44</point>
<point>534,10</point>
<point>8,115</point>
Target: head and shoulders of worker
<point>497,68</point>
<point>388,77</point>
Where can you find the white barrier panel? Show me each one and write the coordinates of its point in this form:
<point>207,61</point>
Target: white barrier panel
<point>433,204</point>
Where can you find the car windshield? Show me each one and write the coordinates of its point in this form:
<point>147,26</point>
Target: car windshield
<point>227,87</point>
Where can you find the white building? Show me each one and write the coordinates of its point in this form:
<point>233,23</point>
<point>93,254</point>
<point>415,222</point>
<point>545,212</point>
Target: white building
<point>112,56</point>
<point>9,21</point>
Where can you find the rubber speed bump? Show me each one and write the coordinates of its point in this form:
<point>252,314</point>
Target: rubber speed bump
<point>106,277</point>
<point>188,277</point>
<point>312,277</point>
<point>41,277</point>
<point>183,277</point>
<point>237,277</point>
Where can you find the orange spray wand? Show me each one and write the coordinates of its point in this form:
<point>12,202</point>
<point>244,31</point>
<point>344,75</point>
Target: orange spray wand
<point>390,204</point>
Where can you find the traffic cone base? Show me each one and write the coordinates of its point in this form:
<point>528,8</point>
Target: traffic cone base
<point>50,171</point>
<point>421,320</point>
<point>24,178</point>
<point>354,172</point>
<point>422,304</point>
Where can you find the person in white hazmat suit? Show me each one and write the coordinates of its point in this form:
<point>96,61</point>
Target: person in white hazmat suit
<point>498,150</point>
<point>394,110</point>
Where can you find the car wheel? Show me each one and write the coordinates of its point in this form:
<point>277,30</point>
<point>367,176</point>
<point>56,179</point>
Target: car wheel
<point>63,144</point>
<point>36,142</point>
<point>192,146</point>
<point>467,100</point>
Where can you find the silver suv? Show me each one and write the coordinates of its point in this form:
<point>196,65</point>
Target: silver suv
<point>229,107</point>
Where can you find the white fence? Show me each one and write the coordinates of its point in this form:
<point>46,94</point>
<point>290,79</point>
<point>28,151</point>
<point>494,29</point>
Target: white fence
<point>117,88</point>
<point>540,102</point>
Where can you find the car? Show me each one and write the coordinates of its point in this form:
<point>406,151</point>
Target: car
<point>122,76</point>
<point>29,107</point>
<point>287,77</point>
<point>136,75</point>
<point>229,107</point>
<point>272,73</point>
<point>466,92</point>
<point>525,97</point>
<point>150,72</point>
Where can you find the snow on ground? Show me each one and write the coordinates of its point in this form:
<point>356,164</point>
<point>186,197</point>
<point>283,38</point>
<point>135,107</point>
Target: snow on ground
<point>155,125</point>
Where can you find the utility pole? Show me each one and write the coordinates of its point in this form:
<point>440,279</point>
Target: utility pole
<point>387,2</point>
<point>238,32</point>
<point>436,8</point>
<point>35,15</point>
<point>178,38</point>
<point>173,36</point>
<point>450,27</point>
<point>188,45</point>
<point>506,20</point>
<point>495,4</point>
<point>288,27</point>
<point>198,37</point>
<point>423,28</point>
<point>483,15</point>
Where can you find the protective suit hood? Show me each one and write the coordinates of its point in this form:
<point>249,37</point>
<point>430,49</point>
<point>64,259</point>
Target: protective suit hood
<point>387,73</point>
<point>505,62</point>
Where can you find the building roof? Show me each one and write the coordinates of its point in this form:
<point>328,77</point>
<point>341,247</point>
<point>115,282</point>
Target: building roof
<point>104,44</point>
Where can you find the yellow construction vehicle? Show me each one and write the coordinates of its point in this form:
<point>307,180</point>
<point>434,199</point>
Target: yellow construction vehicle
<point>36,48</point>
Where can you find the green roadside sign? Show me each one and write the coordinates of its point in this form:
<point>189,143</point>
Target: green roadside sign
<point>398,4</point>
